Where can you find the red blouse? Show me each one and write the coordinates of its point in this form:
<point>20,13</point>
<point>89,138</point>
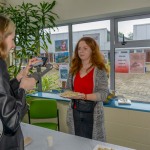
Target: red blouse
<point>84,84</point>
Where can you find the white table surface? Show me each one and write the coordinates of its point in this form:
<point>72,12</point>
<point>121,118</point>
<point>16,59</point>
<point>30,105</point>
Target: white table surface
<point>61,141</point>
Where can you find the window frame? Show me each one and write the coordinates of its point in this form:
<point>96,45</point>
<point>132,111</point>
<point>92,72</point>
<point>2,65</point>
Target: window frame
<point>114,43</point>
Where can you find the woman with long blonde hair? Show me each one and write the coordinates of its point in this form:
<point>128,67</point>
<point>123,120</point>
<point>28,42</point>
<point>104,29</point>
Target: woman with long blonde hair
<point>12,92</point>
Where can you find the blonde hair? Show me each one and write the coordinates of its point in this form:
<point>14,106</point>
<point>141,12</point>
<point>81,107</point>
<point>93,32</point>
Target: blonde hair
<point>7,27</point>
<point>97,59</point>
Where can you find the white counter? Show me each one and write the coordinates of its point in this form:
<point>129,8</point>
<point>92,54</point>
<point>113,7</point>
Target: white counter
<point>61,141</point>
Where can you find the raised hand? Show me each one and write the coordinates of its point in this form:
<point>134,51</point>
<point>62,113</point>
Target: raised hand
<point>25,71</point>
<point>27,83</point>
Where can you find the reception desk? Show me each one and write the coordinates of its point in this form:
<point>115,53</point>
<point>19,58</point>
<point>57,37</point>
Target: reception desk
<point>61,141</point>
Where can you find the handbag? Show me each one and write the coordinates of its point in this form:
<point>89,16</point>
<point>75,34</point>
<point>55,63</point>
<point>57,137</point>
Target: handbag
<point>83,106</point>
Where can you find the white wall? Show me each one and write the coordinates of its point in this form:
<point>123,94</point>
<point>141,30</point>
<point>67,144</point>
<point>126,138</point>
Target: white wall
<point>71,10</point>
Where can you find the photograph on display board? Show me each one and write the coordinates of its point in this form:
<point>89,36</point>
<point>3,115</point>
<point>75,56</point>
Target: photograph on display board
<point>50,57</point>
<point>61,45</point>
<point>137,63</point>
<point>122,62</point>
<point>95,36</point>
<point>63,72</point>
<point>62,57</point>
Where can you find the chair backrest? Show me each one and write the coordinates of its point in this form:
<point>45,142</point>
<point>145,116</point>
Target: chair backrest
<point>43,108</point>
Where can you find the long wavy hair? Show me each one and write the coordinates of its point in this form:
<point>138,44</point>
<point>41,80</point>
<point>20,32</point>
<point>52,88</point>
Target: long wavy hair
<point>97,58</point>
<point>7,27</point>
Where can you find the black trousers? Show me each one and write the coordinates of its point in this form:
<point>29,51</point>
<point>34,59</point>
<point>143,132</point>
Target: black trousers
<point>83,123</point>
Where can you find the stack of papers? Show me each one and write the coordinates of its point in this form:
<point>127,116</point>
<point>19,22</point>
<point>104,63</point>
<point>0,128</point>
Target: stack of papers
<point>124,101</point>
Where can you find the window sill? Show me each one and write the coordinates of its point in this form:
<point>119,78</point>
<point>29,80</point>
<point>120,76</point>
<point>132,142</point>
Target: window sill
<point>136,106</point>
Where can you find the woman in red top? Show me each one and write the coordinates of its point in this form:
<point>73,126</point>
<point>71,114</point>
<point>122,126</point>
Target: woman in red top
<point>88,77</point>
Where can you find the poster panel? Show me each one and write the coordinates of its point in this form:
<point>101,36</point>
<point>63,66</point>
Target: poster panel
<point>63,72</point>
<point>62,57</point>
<point>122,62</point>
<point>137,63</point>
<point>61,45</point>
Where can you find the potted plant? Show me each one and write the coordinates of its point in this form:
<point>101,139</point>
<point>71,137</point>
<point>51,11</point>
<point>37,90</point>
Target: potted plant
<point>33,25</point>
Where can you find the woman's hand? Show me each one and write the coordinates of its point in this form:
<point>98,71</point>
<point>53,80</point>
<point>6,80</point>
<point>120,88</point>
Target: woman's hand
<point>25,71</point>
<point>27,83</point>
<point>79,96</point>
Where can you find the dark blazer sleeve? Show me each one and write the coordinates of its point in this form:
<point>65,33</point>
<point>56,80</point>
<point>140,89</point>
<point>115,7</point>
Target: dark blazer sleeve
<point>11,108</point>
<point>14,84</point>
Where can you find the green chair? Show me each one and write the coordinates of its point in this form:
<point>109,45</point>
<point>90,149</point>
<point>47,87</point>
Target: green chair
<point>44,109</point>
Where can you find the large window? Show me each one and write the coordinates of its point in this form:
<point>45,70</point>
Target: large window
<point>124,41</point>
<point>132,57</point>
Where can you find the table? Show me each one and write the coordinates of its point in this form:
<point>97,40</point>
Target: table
<point>61,141</point>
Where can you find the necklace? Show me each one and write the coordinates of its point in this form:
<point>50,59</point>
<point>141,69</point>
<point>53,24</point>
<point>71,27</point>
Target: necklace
<point>86,69</point>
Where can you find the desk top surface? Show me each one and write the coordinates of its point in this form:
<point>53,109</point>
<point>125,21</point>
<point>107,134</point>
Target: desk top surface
<point>61,141</point>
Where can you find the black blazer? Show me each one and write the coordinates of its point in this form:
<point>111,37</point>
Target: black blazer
<point>12,109</point>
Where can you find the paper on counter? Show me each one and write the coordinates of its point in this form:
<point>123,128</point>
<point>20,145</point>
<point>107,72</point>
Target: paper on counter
<point>50,141</point>
<point>27,141</point>
<point>100,147</point>
<point>124,101</point>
